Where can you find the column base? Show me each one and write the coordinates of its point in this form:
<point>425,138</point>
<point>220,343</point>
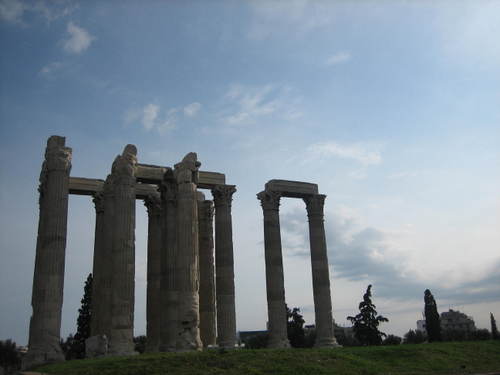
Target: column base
<point>38,357</point>
<point>278,343</point>
<point>326,342</point>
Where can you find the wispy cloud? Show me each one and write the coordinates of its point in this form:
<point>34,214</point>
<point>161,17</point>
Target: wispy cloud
<point>245,104</point>
<point>357,151</point>
<point>338,58</point>
<point>79,39</point>
<point>293,17</point>
<point>361,253</point>
<point>49,69</point>
<point>14,10</point>
<point>191,110</point>
<point>152,117</point>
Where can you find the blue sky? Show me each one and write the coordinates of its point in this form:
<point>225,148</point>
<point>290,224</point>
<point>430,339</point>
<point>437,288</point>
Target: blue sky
<point>390,107</point>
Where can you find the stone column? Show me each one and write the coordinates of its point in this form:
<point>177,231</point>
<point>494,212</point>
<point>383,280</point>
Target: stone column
<point>187,274</point>
<point>98,268</point>
<point>207,281</point>
<point>48,280</point>
<point>169,294</point>
<point>275,283</point>
<point>153,303</point>
<point>123,252</point>
<point>224,266</point>
<point>320,272</point>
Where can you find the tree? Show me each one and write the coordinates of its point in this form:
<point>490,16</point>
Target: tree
<point>432,321</point>
<point>295,328</point>
<point>9,356</point>
<point>365,324</point>
<point>494,330</point>
<point>392,340</point>
<point>414,337</point>
<point>77,344</point>
<point>140,344</point>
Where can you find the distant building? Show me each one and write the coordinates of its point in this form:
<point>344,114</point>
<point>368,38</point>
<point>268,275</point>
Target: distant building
<point>457,321</point>
<point>452,320</point>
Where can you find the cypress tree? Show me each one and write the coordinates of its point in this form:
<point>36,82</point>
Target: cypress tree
<point>365,324</point>
<point>77,349</point>
<point>432,321</point>
<point>494,330</point>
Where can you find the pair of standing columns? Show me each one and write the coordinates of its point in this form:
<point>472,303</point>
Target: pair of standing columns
<point>275,284</point>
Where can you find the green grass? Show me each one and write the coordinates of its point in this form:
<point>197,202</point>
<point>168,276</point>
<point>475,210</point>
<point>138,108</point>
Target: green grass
<point>437,358</point>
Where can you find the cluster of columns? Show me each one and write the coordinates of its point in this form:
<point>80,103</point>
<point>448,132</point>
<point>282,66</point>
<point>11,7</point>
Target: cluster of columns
<point>275,285</point>
<point>190,300</point>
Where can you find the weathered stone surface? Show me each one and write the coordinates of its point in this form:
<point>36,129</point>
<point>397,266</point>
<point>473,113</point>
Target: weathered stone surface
<point>208,180</point>
<point>320,272</point>
<point>169,293</point>
<point>224,265</point>
<point>187,273</point>
<point>275,284</point>
<point>48,280</point>
<point>123,252</point>
<point>153,302</point>
<point>96,346</point>
<point>294,189</point>
<point>207,269</point>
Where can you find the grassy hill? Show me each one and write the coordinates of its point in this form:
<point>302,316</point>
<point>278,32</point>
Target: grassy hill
<point>437,358</point>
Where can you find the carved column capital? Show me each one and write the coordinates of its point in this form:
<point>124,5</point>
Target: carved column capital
<point>186,171</point>
<point>315,205</point>
<point>223,195</point>
<point>98,199</point>
<point>153,204</point>
<point>269,199</point>
<point>125,166</point>
<point>57,156</point>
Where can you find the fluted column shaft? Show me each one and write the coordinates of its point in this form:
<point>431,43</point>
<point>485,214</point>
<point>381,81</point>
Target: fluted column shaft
<point>320,272</point>
<point>187,273</point>
<point>153,301</point>
<point>275,283</point>
<point>98,268</point>
<point>169,294</point>
<point>224,266</point>
<point>122,309</point>
<point>48,280</point>
<point>207,282</point>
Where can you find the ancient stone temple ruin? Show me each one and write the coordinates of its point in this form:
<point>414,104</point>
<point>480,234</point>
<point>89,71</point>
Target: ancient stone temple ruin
<point>190,274</point>
<point>186,308</point>
<point>270,201</point>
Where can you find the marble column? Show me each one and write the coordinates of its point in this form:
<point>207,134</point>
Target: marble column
<point>275,283</point>
<point>224,266</point>
<point>98,268</point>
<point>123,252</point>
<point>187,274</point>
<point>169,294</point>
<point>153,299</point>
<point>207,282</point>
<point>48,280</point>
<point>320,272</point>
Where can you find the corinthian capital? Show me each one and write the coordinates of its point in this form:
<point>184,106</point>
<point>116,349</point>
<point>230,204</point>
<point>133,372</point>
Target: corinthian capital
<point>125,165</point>
<point>269,199</point>
<point>98,199</point>
<point>57,156</point>
<point>223,195</point>
<point>315,204</point>
<point>186,171</point>
<point>153,204</point>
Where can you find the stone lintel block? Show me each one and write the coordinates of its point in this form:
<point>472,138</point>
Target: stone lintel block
<point>208,180</point>
<point>293,189</point>
<point>151,174</point>
<point>85,186</point>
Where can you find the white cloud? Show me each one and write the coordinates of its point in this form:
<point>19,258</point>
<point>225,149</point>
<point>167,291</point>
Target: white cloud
<point>338,58</point>
<point>192,109</point>
<point>149,116</point>
<point>14,10</point>
<point>357,151</point>
<point>248,104</point>
<point>79,39</point>
<point>11,10</point>
<point>49,69</point>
